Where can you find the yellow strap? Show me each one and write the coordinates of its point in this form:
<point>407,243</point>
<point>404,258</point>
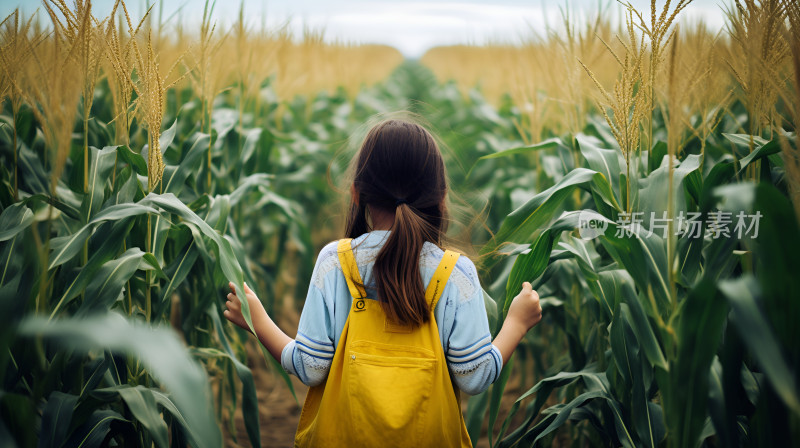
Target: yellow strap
<point>350,269</point>
<point>440,276</point>
<point>356,285</point>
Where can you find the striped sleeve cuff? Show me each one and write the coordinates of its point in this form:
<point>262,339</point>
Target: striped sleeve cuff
<point>471,352</point>
<point>307,359</point>
<point>481,368</point>
<point>498,361</point>
<point>287,358</point>
<point>314,348</point>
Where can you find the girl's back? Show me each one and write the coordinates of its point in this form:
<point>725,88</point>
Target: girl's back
<point>388,383</point>
<point>472,359</point>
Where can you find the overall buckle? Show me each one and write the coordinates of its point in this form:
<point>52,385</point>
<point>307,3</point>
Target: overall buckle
<point>360,305</point>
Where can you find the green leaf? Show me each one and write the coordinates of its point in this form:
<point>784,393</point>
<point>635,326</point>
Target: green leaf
<point>718,407</point>
<point>547,144</point>
<point>56,419</point>
<point>491,309</point>
<point>174,177</point>
<point>160,351</point>
<point>648,416</point>
<point>106,286</point>
<point>66,247</point>
<point>610,288</point>
<point>127,187</point>
<point>167,404</point>
<point>542,390</point>
<point>776,248</point>
<point>154,399</point>
<point>166,137</point>
<point>289,208</point>
<point>65,208</point>
<point>250,144</point>
<point>259,181</point>
<point>107,250</point>
<point>177,272</point>
<point>524,221</point>
<point>623,433</point>
<point>100,166</point>
<point>14,219</point>
<point>476,411</point>
<point>32,171</point>
<point>624,349</point>
<point>249,398</point>
<point>226,258</point>
<point>771,147</point>
<point>656,155</point>
<point>142,404</point>
<point>149,263</point>
<point>580,249</point>
<point>645,334</point>
<point>643,256</point>
<point>121,211</point>
<point>601,128</point>
<point>743,294</point>
<point>218,212</point>
<point>654,189</point>
<point>497,395</point>
<point>609,162</point>
<point>720,173</point>
<point>745,140</point>
<point>529,266</point>
<point>561,415</point>
<point>99,367</point>
<point>19,414</point>
<point>95,430</point>
<point>133,159</point>
<point>684,389</point>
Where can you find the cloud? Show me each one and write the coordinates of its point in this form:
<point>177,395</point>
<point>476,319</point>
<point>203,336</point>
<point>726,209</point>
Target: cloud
<point>414,27</point>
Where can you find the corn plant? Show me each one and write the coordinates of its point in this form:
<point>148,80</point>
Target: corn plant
<point>130,205</point>
<point>663,336</point>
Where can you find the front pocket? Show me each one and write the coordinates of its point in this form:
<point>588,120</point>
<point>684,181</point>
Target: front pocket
<point>390,394</point>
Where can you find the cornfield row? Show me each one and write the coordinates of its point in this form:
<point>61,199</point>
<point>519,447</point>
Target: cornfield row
<point>143,169</point>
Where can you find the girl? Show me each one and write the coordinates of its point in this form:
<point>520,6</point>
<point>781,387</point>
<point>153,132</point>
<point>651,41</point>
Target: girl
<point>385,356</point>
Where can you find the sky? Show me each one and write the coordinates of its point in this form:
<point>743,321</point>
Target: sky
<point>410,26</point>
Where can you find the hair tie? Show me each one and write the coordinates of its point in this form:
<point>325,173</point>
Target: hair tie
<point>399,202</point>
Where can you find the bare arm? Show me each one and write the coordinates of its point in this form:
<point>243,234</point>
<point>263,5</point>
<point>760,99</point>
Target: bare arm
<point>272,337</point>
<point>524,312</point>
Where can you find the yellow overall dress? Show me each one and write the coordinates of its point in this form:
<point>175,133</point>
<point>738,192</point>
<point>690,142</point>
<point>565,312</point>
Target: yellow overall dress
<point>388,385</point>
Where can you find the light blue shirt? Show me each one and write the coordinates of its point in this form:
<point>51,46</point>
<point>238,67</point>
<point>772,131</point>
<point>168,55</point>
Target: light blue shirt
<point>474,362</point>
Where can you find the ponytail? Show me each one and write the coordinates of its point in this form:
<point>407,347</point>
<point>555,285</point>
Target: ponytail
<point>396,268</point>
<point>400,160</point>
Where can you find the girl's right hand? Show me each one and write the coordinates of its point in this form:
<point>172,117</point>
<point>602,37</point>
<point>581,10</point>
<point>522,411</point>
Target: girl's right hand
<point>270,336</point>
<point>525,309</point>
<point>234,306</point>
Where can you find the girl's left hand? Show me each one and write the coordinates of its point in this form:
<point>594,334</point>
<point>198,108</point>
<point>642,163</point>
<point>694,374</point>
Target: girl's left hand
<point>234,311</point>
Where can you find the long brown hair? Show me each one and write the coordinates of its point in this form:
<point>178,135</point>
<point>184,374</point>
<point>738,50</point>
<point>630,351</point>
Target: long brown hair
<point>400,168</point>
